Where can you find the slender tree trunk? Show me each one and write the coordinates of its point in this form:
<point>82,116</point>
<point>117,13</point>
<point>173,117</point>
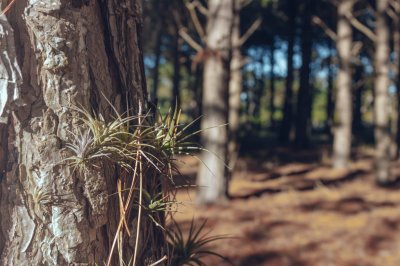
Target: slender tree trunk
<point>396,48</point>
<point>211,176</point>
<point>304,94</point>
<point>344,109</point>
<point>381,103</point>
<point>288,102</point>
<point>258,94</point>
<point>177,67</point>
<point>357,110</point>
<point>235,86</point>
<point>156,69</point>
<point>65,54</point>
<point>272,85</point>
<point>330,104</point>
<point>198,89</point>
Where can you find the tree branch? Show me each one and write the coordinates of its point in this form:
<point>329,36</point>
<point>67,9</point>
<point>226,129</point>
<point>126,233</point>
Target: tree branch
<point>250,31</point>
<point>361,27</point>
<point>328,31</point>
<point>195,20</point>
<point>202,9</point>
<point>355,50</point>
<point>195,45</point>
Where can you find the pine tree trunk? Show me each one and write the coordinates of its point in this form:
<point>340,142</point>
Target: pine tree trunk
<point>272,85</point>
<point>176,79</point>
<point>396,48</point>
<point>156,69</point>
<point>357,109</point>
<point>288,102</point>
<point>211,178</point>
<point>69,53</point>
<point>305,90</point>
<point>344,109</point>
<point>330,103</point>
<point>381,103</point>
<point>235,86</point>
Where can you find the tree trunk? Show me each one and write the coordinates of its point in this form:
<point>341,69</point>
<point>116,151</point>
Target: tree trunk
<point>69,53</point>
<point>396,48</point>
<point>357,109</point>
<point>211,177</point>
<point>235,87</point>
<point>156,69</point>
<point>304,94</point>
<point>344,109</point>
<point>258,92</point>
<point>272,85</point>
<point>381,103</point>
<point>330,103</point>
<point>176,79</point>
<point>198,91</point>
<point>288,102</point>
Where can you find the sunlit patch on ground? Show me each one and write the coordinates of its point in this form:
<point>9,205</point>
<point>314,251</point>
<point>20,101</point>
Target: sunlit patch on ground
<point>301,213</point>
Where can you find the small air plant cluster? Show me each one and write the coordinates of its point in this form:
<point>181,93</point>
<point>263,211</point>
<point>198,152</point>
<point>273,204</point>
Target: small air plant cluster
<point>141,146</point>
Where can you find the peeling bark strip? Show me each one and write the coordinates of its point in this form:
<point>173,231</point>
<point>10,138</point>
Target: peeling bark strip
<point>10,73</point>
<point>69,53</point>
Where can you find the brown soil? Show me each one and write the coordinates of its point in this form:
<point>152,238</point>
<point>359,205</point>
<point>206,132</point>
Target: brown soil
<point>299,213</point>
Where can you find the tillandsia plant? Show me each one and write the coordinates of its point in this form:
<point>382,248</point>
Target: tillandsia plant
<point>140,146</point>
<point>192,249</point>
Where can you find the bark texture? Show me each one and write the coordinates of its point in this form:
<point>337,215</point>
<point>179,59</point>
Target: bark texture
<point>381,85</point>
<point>70,53</point>
<point>212,174</point>
<point>343,121</point>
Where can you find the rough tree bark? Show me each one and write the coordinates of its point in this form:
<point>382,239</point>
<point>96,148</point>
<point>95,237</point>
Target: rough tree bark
<point>211,176</point>
<point>305,90</point>
<point>344,109</point>
<point>381,85</point>
<point>65,53</point>
<point>284,135</point>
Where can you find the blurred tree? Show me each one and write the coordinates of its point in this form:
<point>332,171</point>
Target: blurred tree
<point>272,84</point>
<point>304,95</point>
<point>330,101</point>
<point>396,49</point>
<point>235,86</point>
<point>287,120</point>
<point>343,120</point>
<point>211,178</point>
<point>359,88</point>
<point>381,86</point>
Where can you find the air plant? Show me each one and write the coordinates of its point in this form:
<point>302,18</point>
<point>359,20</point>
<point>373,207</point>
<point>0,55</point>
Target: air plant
<point>141,146</point>
<point>191,250</point>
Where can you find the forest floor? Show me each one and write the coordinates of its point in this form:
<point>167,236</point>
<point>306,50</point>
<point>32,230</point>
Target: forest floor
<point>296,212</point>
